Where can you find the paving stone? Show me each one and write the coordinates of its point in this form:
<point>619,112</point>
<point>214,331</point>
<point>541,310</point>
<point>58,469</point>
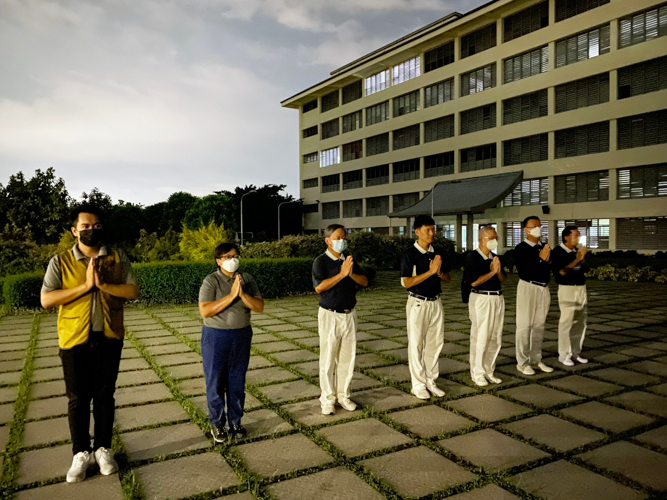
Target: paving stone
<point>175,347</point>
<point>181,372</point>
<point>642,401</point>
<point>295,356</point>
<point>311,368</point>
<point>331,484</point>
<point>268,375</point>
<point>400,354</point>
<point>288,391</point>
<point>640,352</point>
<point>205,472</point>
<point>656,437</point>
<point>606,417</point>
<point>178,359</point>
<point>395,373</point>
<point>263,337</point>
<point>258,362</point>
<point>452,366</point>
<point>384,398</point>
<point>11,378</point>
<point>363,436</point>
<point>6,413</point>
<point>635,462</point>
<point>133,364</point>
<point>163,441</point>
<point>192,386</point>
<point>141,394</point>
<point>658,389</point>
<point>584,386</point>
<point>417,472</point>
<point>611,358</point>
<point>650,367</point>
<point>264,423</point>
<point>46,431</point>
<point>430,421</point>
<point>488,408</point>
<point>565,481</point>
<point>103,487</point>
<point>14,366</point>
<point>380,344</point>
<point>150,414</point>
<point>369,360</point>
<point>623,377</point>
<point>271,347</point>
<point>561,436</point>
<point>538,395</point>
<point>488,492</point>
<point>45,463</point>
<point>310,412</point>
<point>44,389</point>
<point>136,377</point>
<point>274,457</point>
<point>491,450</point>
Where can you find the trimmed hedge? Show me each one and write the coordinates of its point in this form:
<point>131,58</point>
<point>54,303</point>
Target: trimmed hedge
<point>22,290</point>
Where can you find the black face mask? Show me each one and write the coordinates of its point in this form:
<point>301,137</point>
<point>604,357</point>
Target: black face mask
<point>91,237</point>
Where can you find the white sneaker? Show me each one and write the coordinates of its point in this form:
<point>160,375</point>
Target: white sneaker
<point>495,380</point>
<point>436,391</point>
<point>528,370</point>
<point>80,463</point>
<point>328,409</point>
<point>568,362</point>
<point>347,404</point>
<point>421,393</point>
<point>480,381</point>
<point>582,360</point>
<point>544,368</point>
<point>105,461</point>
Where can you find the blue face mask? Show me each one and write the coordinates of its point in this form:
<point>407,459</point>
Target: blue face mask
<point>339,246</point>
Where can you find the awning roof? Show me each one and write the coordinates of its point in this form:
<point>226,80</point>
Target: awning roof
<point>464,196</point>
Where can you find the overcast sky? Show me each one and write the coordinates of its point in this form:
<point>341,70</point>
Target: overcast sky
<point>142,98</point>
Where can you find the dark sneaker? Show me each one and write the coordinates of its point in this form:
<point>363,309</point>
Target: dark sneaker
<point>219,434</point>
<point>237,431</point>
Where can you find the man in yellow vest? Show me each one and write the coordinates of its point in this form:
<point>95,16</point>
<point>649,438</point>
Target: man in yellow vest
<point>90,283</point>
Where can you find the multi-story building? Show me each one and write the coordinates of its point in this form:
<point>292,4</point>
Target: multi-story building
<point>573,93</point>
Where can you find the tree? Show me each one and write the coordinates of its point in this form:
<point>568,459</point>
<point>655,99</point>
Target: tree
<point>175,209</point>
<point>216,208</point>
<point>199,244</point>
<point>19,253</point>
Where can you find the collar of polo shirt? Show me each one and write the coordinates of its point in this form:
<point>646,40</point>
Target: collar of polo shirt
<point>79,256</point>
<point>532,244</point>
<point>333,257</point>
<point>564,247</point>
<point>421,250</point>
<point>485,257</point>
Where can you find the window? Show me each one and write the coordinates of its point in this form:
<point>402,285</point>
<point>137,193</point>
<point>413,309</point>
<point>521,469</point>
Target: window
<point>329,157</point>
<point>439,93</point>
<point>402,201</point>
<point>582,93</point>
<point>310,209</point>
<point>353,180</point>
<point>526,21</point>
<point>440,164</point>
<point>309,106</point>
<point>352,122</point>
<point>594,232</point>
<point>353,208</point>
<point>514,234</point>
<point>352,92</point>
<point>529,63</point>
<point>478,80</point>
<point>588,186</point>
<point>526,150</point>
<point>310,157</point>
<point>376,176</point>
<point>330,101</point>
<point>406,137</point>
<point>310,131</point>
<point>525,107</point>
<point>331,183</point>
<point>377,206</point>
<point>377,144</point>
<point>476,119</point>
<point>448,231</point>
<point>642,78</point>
<point>310,183</point>
<point>331,210</point>
<point>406,71</point>
<point>643,26</point>
<point>647,129</point>
<point>582,46</point>
<point>642,182</point>
<point>406,103</point>
<point>407,170</point>
<point>647,233</point>
<point>378,113</point>
<point>377,82</point>
<point>566,9</point>
<point>529,192</point>
<point>353,150</point>
<point>478,41</point>
<point>439,57</point>
<point>583,140</point>
<point>330,128</point>
<point>440,128</point>
<point>478,158</point>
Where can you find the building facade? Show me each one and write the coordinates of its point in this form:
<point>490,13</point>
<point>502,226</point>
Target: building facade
<point>571,92</point>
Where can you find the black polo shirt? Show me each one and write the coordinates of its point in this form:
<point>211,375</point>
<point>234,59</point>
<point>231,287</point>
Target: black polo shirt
<point>342,296</point>
<point>416,261</point>
<point>561,256</point>
<point>477,265</point>
<point>529,264</point>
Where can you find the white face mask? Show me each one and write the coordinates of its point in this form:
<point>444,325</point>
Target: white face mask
<point>230,265</point>
<point>339,246</point>
<point>536,232</point>
<point>492,245</point>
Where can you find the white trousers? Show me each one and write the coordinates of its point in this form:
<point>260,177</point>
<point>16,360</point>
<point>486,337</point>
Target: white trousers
<point>426,336</point>
<point>487,314</point>
<point>573,303</point>
<point>338,349</point>
<point>532,307</point>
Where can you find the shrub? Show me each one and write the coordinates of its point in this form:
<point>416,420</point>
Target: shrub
<point>22,290</point>
<point>152,248</point>
<point>635,274</point>
<point>199,244</point>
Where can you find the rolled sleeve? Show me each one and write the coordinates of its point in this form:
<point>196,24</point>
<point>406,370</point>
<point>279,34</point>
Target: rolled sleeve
<point>318,273</point>
<point>53,279</point>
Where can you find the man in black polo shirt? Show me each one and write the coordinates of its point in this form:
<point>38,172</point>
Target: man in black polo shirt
<point>532,297</point>
<point>335,278</point>
<point>423,269</point>
<point>486,307</point>
<point>568,267</point>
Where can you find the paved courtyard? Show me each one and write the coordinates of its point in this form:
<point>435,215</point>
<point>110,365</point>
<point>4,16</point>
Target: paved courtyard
<point>595,431</point>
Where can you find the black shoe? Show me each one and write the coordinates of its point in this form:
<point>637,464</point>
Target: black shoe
<point>237,431</point>
<point>219,434</point>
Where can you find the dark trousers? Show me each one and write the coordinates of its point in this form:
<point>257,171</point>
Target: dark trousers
<point>226,354</point>
<point>90,371</point>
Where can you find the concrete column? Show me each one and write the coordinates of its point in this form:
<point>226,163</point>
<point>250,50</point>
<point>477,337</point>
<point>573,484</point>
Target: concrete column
<point>458,232</point>
<point>554,237</point>
<point>551,48</point>
<point>552,11</point>
<point>613,135</point>
<point>552,145</point>
<point>469,243</point>
<point>613,35</point>
<point>612,234</point>
<point>551,101</point>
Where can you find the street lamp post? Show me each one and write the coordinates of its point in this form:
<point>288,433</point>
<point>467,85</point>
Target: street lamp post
<point>284,203</point>
<point>253,191</point>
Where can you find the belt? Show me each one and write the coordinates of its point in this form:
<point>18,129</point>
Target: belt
<point>538,283</point>
<point>488,292</point>
<point>421,297</point>
<point>343,311</point>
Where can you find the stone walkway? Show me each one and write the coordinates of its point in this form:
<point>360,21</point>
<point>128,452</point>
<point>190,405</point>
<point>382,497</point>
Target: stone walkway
<point>592,431</point>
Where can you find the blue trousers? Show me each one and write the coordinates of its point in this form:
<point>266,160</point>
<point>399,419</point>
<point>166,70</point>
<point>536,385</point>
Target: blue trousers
<point>226,354</point>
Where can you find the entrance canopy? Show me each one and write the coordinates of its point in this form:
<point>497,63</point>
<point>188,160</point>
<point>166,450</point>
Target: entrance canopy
<point>464,196</point>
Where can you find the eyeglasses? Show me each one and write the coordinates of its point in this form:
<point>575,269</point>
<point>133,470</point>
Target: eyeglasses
<point>228,257</point>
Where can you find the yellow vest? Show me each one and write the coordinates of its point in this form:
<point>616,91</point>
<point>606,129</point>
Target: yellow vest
<point>74,318</point>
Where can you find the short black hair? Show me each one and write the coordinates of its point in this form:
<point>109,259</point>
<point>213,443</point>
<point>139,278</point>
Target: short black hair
<point>568,230</point>
<point>223,248</point>
<point>332,228</point>
<point>84,208</point>
<point>423,220</point>
<point>524,222</point>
